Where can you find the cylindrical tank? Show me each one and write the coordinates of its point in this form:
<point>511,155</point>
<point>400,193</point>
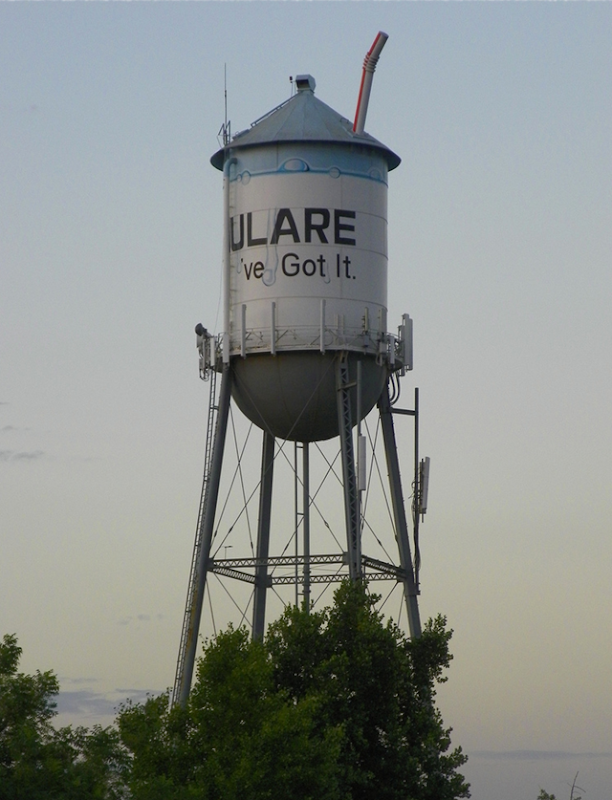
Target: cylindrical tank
<point>306,264</point>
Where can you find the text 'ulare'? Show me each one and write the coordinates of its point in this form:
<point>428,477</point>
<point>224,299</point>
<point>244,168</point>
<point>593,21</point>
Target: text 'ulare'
<point>316,222</point>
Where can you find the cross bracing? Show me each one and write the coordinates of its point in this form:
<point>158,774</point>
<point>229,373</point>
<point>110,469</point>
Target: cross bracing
<point>235,568</point>
<point>320,528</point>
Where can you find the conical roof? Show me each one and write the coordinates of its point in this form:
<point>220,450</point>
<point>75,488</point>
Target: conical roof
<point>303,118</point>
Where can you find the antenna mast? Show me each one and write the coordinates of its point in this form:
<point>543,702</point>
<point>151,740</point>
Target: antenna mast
<point>225,131</point>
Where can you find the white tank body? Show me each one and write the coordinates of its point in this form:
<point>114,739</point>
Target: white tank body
<point>307,233</point>
<point>306,264</point>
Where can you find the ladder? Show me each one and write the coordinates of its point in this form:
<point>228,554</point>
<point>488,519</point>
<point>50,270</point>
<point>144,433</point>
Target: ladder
<point>188,619</point>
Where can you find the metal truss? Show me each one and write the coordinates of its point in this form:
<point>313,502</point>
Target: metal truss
<point>235,568</point>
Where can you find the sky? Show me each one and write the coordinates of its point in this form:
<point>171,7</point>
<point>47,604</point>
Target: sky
<point>500,244</point>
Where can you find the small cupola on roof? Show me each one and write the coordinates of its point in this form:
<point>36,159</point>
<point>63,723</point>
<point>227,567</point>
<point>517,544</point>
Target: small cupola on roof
<point>305,83</point>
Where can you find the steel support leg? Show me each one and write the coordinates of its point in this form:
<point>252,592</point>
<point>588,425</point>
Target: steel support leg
<point>399,513</point>
<point>208,521</point>
<point>262,580</point>
<point>306,523</point>
<point>349,478</point>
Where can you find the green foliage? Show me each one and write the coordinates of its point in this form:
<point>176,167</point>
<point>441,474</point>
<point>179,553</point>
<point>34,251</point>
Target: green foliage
<point>239,738</point>
<point>36,760</point>
<point>334,705</point>
<point>378,686</point>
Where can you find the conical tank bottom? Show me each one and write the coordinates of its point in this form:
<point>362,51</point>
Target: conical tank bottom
<point>294,395</point>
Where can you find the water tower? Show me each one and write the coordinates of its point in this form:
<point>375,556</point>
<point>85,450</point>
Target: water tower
<point>305,353</point>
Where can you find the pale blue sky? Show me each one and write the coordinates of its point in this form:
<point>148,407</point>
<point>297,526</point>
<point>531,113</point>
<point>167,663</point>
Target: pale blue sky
<point>500,247</point>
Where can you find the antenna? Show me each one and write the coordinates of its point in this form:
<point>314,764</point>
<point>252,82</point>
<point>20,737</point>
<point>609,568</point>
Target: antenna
<point>225,131</point>
<point>424,486</point>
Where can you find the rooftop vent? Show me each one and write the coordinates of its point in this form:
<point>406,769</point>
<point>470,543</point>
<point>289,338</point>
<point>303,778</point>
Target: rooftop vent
<point>305,83</point>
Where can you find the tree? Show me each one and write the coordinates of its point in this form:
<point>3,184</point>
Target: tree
<point>333,705</point>
<point>239,739</point>
<point>546,796</point>
<point>38,761</point>
<point>379,687</point>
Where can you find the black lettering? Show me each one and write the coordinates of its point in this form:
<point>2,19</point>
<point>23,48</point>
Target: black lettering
<point>295,265</point>
<point>250,241</point>
<point>339,226</point>
<point>321,262</point>
<point>338,264</point>
<point>240,244</point>
<point>258,270</point>
<point>284,214</point>
<point>347,264</point>
<point>247,270</point>
<point>310,225</point>
<point>312,268</point>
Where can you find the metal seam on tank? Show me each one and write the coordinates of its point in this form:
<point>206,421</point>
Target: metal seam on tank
<point>311,297</point>
<point>315,151</point>
<point>343,173</point>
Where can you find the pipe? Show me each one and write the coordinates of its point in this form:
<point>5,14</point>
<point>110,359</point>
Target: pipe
<point>369,65</point>
<point>225,339</point>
